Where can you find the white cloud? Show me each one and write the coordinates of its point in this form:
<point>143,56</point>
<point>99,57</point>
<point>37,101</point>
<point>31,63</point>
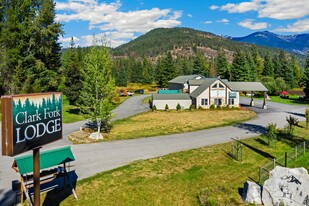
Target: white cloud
<point>241,7</point>
<point>275,9</point>
<point>66,41</point>
<point>249,23</point>
<point>208,22</point>
<point>108,17</point>
<point>299,26</point>
<point>282,9</point>
<point>189,15</point>
<point>225,21</point>
<point>214,7</point>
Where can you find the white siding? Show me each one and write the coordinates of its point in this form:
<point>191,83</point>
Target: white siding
<point>192,88</point>
<point>204,95</point>
<point>172,104</point>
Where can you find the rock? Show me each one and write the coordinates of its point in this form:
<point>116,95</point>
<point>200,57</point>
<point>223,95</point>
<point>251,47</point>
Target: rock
<point>252,193</point>
<point>286,186</point>
<point>96,135</point>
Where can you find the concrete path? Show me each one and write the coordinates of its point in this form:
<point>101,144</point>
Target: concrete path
<point>95,158</point>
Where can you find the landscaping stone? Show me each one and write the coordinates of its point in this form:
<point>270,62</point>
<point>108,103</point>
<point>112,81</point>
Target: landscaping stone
<point>252,193</point>
<point>286,186</point>
<point>96,136</point>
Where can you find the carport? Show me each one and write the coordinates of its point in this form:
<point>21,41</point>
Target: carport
<point>249,87</point>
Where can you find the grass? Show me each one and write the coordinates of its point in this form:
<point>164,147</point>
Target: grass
<point>205,176</point>
<point>170,122</point>
<point>293,100</point>
<point>146,100</point>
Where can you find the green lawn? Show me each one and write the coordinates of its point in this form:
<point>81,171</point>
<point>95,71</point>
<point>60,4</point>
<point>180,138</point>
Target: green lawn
<point>293,99</point>
<point>157,123</point>
<point>206,176</point>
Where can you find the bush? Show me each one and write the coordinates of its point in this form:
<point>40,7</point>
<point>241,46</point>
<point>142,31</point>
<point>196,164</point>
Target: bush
<point>178,107</point>
<point>192,107</point>
<point>212,106</point>
<point>166,107</point>
<point>154,108</point>
<point>271,133</point>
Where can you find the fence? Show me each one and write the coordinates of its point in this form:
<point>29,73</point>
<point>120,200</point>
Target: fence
<point>283,160</point>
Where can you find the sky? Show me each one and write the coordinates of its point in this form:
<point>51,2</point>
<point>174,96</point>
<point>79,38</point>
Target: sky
<point>117,21</point>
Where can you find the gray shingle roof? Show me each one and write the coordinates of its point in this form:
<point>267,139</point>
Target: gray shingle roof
<point>198,82</point>
<point>206,83</point>
<point>247,86</point>
<point>183,79</point>
<point>183,96</point>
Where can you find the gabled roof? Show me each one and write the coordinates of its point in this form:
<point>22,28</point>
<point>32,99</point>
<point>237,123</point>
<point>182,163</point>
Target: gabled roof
<point>183,96</point>
<point>206,83</point>
<point>247,86</point>
<point>184,79</point>
<point>198,82</point>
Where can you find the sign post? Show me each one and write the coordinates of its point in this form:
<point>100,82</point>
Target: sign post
<point>28,122</point>
<point>36,176</point>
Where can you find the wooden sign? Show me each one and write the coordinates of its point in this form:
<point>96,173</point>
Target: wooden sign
<point>30,121</point>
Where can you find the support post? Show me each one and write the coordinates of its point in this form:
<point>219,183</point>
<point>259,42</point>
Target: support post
<point>252,101</point>
<point>36,176</point>
<point>264,101</point>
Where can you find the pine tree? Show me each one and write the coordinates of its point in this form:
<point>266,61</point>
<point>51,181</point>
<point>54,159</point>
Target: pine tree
<point>258,61</point>
<point>239,70</point>
<point>251,67</point>
<point>296,69</point>
<point>165,70</point>
<point>222,66</point>
<point>200,65</point>
<point>285,70</point>
<point>268,66</point>
<point>72,73</point>
<point>99,85</point>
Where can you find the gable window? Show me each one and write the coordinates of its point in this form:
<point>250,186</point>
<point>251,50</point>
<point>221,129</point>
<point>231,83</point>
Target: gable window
<point>218,101</point>
<point>215,86</point>
<point>221,86</point>
<point>204,101</point>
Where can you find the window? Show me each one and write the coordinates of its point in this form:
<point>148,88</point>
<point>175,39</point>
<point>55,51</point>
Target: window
<point>218,101</point>
<point>221,86</point>
<point>231,101</point>
<point>214,86</point>
<point>204,102</point>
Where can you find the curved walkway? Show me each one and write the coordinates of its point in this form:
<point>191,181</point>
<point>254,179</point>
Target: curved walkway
<point>98,157</point>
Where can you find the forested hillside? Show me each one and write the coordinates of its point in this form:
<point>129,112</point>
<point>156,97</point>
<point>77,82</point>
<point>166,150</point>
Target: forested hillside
<point>181,42</point>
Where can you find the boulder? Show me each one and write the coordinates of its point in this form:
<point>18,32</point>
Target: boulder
<point>252,193</point>
<point>286,186</point>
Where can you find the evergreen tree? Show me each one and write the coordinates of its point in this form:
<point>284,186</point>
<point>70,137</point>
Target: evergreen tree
<point>258,61</point>
<point>165,70</point>
<point>285,70</point>
<point>99,85</point>
<point>29,38</point>
<point>148,72</point>
<point>305,77</point>
<point>251,68</point>
<point>239,70</point>
<point>296,69</point>
<point>200,65</point>
<point>268,66</point>
<point>222,66</point>
<point>72,73</point>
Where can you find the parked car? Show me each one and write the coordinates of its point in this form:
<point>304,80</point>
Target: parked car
<point>123,92</point>
<point>139,91</point>
<point>130,93</point>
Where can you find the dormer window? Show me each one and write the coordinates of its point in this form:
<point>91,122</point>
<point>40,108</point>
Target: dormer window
<point>214,86</point>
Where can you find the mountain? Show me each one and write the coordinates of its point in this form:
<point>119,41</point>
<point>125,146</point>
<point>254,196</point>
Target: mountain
<point>184,42</point>
<point>292,43</point>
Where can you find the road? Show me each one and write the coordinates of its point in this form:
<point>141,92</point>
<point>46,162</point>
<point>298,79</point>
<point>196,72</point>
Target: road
<point>98,157</point>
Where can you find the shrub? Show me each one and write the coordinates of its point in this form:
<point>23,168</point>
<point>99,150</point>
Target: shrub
<point>166,107</point>
<point>271,133</point>
<point>178,107</point>
<point>154,108</point>
<point>212,106</point>
<point>192,107</point>
<point>292,122</point>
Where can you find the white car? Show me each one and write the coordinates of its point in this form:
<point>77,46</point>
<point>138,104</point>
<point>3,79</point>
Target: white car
<point>130,93</point>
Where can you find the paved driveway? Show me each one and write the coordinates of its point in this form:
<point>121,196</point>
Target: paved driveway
<point>98,157</point>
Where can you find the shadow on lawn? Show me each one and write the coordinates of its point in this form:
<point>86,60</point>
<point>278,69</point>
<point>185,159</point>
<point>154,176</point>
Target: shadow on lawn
<point>56,196</point>
<point>74,111</point>
<point>258,129</point>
